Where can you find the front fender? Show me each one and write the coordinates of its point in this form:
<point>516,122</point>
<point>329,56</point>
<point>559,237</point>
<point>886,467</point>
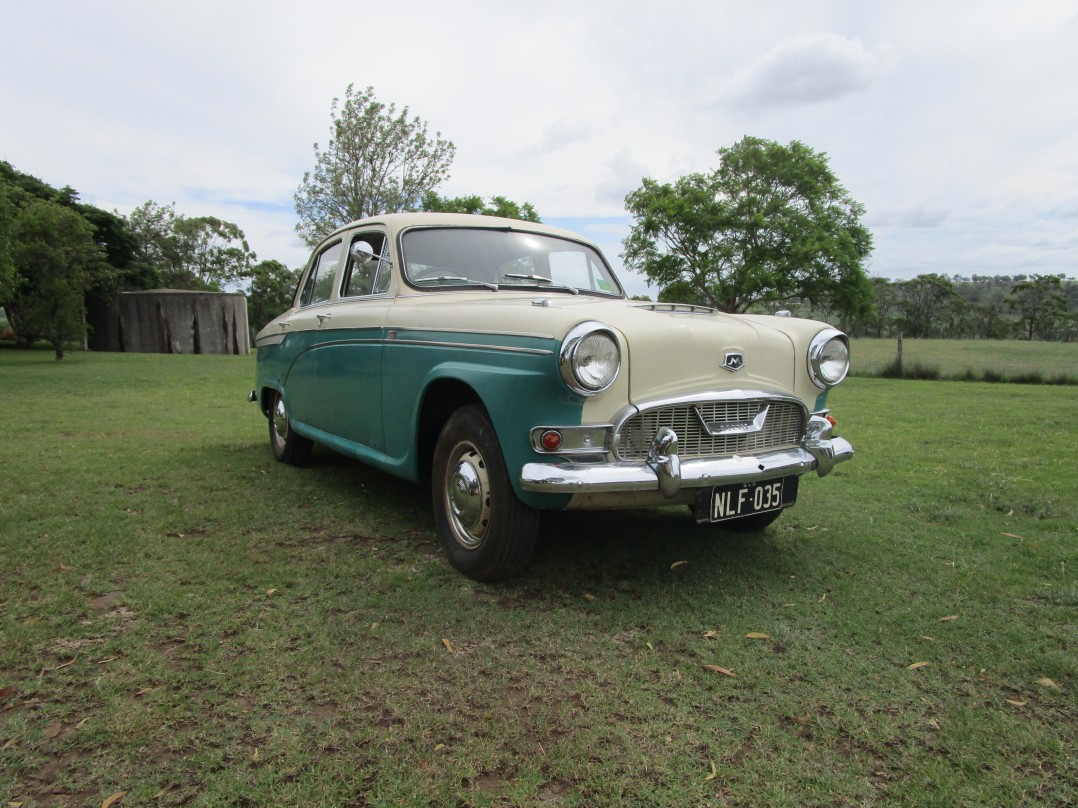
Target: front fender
<point>516,399</point>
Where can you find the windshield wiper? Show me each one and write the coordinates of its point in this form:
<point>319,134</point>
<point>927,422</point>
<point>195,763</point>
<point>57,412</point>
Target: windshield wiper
<point>458,279</point>
<point>544,282</point>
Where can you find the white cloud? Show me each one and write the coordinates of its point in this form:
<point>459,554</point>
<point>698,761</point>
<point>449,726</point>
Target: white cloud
<point>811,68</point>
<point>559,135</point>
<point>924,214</point>
<point>621,175</point>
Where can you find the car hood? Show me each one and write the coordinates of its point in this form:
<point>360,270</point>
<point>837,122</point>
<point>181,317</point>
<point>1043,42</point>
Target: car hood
<point>669,351</point>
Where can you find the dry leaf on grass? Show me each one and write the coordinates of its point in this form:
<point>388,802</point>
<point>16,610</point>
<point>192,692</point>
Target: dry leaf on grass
<point>757,635</point>
<point>719,669</point>
<point>115,798</point>
<point>948,617</point>
<point>1046,682</point>
<point>678,564</point>
<point>714,772</point>
<point>448,646</point>
<point>1015,702</point>
<point>711,634</point>
<point>53,730</point>
<point>917,665</point>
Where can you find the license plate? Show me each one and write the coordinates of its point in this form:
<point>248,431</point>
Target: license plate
<point>745,499</point>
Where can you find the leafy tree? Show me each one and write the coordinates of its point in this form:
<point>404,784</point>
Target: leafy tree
<point>212,251</point>
<point>272,288</point>
<point>202,252</point>
<point>376,161</point>
<point>7,262</point>
<point>1040,305</point>
<point>498,206</point>
<point>771,224</point>
<point>56,256</point>
<point>926,304</point>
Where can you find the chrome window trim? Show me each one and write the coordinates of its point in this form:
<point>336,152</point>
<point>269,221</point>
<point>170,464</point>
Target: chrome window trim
<point>518,227</point>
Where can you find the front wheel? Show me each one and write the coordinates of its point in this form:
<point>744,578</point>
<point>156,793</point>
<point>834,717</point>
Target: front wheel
<point>487,532</point>
<point>288,447</point>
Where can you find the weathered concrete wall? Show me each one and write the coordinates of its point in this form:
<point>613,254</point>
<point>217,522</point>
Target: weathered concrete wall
<point>173,321</point>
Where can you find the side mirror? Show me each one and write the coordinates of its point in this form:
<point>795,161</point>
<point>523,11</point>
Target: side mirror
<point>362,252</point>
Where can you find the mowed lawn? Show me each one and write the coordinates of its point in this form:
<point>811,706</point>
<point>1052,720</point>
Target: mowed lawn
<point>183,621</point>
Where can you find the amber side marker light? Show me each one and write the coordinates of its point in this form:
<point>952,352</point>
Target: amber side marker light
<point>831,420</point>
<point>551,440</point>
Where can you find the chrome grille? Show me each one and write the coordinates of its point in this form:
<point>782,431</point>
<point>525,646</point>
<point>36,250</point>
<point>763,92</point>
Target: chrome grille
<point>783,428</point>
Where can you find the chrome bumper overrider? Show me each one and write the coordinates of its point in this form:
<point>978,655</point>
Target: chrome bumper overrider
<point>664,471</point>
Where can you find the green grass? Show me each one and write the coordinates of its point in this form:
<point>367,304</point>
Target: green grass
<point>987,360</point>
<point>187,621</point>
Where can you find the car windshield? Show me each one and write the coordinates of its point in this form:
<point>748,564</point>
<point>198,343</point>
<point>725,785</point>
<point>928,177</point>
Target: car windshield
<point>447,257</point>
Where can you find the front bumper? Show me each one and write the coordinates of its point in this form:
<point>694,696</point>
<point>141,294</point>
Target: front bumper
<point>665,472</point>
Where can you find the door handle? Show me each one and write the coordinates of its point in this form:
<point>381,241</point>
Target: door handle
<point>323,317</point>
<point>284,325</point>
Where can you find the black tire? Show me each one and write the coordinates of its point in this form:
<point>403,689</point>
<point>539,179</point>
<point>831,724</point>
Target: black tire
<point>751,524</point>
<point>487,532</point>
<point>288,447</point>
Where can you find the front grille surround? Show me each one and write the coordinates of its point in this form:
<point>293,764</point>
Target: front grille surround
<point>783,427</point>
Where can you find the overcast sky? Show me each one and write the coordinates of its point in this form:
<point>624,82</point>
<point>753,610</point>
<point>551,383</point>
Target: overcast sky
<point>955,123</point>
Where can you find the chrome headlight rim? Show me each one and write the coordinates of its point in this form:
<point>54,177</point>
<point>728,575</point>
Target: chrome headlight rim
<point>568,357</point>
<point>816,358</point>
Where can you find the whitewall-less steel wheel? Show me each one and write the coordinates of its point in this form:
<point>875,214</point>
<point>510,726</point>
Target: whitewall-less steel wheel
<point>486,531</point>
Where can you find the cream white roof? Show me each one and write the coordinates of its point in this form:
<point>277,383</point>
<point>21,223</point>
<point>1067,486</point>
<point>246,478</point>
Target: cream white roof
<point>401,221</point>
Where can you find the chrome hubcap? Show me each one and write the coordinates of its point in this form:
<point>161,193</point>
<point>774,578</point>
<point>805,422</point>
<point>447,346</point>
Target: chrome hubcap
<point>280,420</point>
<point>468,496</point>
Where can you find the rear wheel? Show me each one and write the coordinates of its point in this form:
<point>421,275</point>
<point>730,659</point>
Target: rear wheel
<point>487,532</point>
<point>288,447</point>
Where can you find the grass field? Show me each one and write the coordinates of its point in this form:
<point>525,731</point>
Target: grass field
<point>186,622</point>
<point>955,357</point>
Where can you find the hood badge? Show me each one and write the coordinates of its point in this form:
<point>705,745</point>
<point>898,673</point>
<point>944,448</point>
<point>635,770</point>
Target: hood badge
<point>733,362</point>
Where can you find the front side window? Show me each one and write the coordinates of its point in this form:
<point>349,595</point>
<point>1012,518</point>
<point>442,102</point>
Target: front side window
<point>444,257</point>
<point>319,284</point>
<point>370,276</point>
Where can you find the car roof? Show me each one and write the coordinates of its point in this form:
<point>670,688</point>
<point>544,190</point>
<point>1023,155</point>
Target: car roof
<point>397,222</point>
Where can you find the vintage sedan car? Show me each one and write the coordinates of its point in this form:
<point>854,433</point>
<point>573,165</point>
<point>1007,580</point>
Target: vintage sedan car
<point>503,360</point>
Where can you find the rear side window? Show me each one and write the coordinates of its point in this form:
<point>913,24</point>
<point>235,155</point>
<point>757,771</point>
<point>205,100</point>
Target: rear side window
<point>319,284</point>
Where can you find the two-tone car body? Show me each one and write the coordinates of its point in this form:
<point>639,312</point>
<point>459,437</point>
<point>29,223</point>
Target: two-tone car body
<point>503,360</point>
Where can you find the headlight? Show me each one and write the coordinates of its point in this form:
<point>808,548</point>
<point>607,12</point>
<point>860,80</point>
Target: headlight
<point>829,358</point>
<point>590,358</point>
